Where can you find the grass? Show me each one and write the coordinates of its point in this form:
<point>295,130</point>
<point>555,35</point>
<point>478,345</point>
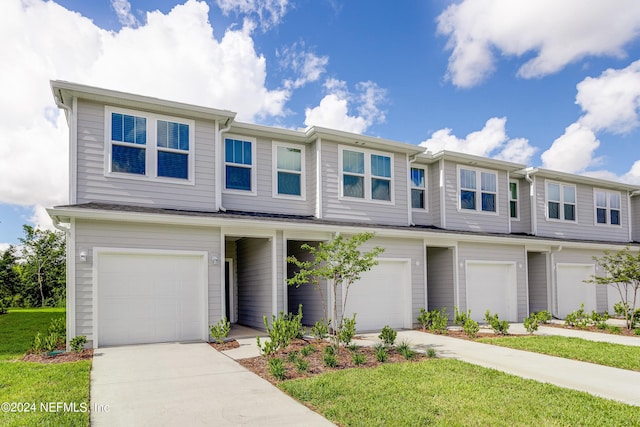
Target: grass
<point>36,383</point>
<point>602,353</point>
<point>446,392</point>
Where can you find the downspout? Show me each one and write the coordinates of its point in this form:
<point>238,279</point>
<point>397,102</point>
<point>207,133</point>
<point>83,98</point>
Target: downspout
<point>410,160</point>
<point>532,203</point>
<point>70,281</point>
<point>629,216</point>
<point>219,163</point>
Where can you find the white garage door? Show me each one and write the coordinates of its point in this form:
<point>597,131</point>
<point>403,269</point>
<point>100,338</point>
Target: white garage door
<point>492,286</point>
<point>146,298</point>
<point>381,296</point>
<point>571,289</point>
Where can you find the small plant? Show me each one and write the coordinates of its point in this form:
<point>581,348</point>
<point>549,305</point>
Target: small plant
<point>330,360</point>
<point>282,330</point>
<point>302,365</point>
<point>434,320</point>
<point>352,347</point>
<point>471,327</point>
<point>600,320</point>
<point>613,329</point>
<point>347,330</point>
<point>277,369</point>
<point>36,345</point>
<point>534,320</point>
<point>358,358</point>
<point>636,331</point>
<point>461,317</point>
<point>220,330</point>
<point>431,353</point>
<point>292,357</point>
<point>405,350</point>
<point>58,327</point>
<point>543,316</point>
<point>78,343</point>
<point>50,342</point>
<point>320,330</point>
<point>500,327</point>
<point>307,350</point>
<point>329,350</point>
<point>381,353</point>
<point>388,335</point>
<point>578,318</point>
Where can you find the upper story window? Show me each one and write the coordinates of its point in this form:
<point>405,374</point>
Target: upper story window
<point>607,205</point>
<point>514,208</point>
<point>561,201</point>
<point>366,175</point>
<point>239,164</point>
<point>418,188</point>
<point>478,190</point>
<point>289,179</point>
<point>146,145</point>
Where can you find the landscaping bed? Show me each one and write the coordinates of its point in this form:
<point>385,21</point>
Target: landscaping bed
<point>594,328</point>
<point>223,346</point>
<point>68,356</point>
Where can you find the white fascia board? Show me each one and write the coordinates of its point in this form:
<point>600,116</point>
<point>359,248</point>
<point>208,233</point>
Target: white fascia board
<point>579,179</point>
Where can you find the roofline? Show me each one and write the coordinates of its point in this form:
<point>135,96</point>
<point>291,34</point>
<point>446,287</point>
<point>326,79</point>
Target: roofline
<point>315,132</point>
<point>269,131</point>
<point>473,159</point>
<point>63,214</point>
<point>583,179</point>
<point>64,91</point>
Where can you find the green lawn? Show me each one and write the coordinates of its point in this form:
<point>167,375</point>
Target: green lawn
<point>615,355</point>
<point>447,392</point>
<point>36,383</point>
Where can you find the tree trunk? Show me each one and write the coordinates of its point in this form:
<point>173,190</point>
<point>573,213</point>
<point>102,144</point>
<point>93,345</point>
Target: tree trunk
<point>40,286</point>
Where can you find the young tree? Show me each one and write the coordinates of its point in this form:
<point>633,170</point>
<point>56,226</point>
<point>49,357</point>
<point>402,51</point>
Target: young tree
<point>622,272</point>
<point>43,252</point>
<point>9,279</point>
<point>339,261</point>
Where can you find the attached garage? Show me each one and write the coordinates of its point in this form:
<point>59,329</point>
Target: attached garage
<point>382,297</point>
<point>571,290</point>
<point>148,297</point>
<point>492,285</point>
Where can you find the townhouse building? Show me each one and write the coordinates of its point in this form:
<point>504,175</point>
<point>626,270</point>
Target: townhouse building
<point>180,214</point>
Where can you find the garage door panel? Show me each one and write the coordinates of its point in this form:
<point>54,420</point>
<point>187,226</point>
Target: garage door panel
<point>492,286</point>
<point>572,290</point>
<point>144,298</point>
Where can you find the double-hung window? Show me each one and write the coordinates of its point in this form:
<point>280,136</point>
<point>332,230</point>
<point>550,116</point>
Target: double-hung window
<point>513,199</point>
<point>607,205</point>
<point>561,201</point>
<point>478,190</point>
<point>418,188</point>
<point>366,175</point>
<point>148,146</point>
<point>239,164</point>
<point>288,170</point>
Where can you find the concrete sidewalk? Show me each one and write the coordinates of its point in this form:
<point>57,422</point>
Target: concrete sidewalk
<point>186,384</point>
<point>611,383</point>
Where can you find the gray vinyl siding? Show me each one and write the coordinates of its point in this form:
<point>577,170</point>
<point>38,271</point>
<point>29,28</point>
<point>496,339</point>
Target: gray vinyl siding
<point>523,223</point>
<point>90,234</point>
<point>585,227</point>
<point>538,279</point>
<point>435,200</point>
<point>635,218</point>
<point>458,219</point>
<point>307,294</point>
<point>363,211</point>
<point>578,256</point>
<point>500,253</point>
<point>263,200</point>
<point>281,255</point>
<point>441,279</point>
<point>230,252</point>
<point>426,216</point>
<point>254,281</point>
<point>94,186</point>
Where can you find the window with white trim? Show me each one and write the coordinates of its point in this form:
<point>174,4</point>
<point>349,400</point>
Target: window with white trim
<point>482,198</point>
<point>418,188</point>
<point>239,164</point>
<point>514,208</point>
<point>561,201</point>
<point>289,179</point>
<point>366,175</point>
<point>607,207</point>
<point>147,145</point>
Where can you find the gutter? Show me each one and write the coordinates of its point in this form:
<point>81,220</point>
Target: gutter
<point>532,200</point>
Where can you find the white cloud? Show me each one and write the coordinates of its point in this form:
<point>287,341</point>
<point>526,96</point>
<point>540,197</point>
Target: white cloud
<point>173,56</point>
<point>334,109</point>
<point>269,12</point>
<point>123,10</point>
<point>572,152</point>
<point>490,141</point>
<point>306,64</point>
<point>612,100</point>
<point>4,246</point>
<point>557,32</point>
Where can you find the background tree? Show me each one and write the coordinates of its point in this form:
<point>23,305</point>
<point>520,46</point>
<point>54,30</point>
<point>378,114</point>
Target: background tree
<point>9,279</point>
<point>622,272</point>
<point>43,271</point>
<point>339,261</point>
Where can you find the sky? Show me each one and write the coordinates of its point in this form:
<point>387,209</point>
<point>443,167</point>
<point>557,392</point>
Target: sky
<point>546,83</point>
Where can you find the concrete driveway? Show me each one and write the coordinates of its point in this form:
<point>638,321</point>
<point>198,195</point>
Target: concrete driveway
<point>185,384</point>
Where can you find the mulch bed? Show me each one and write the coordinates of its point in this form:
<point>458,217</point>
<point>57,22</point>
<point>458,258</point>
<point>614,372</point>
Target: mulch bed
<point>229,345</point>
<point>459,333</point>
<point>623,330</point>
<point>70,356</point>
<point>260,365</point>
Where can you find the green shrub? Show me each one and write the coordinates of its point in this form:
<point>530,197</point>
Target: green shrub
<point>543,316</point>
<point>51,342</point>
<point>613,329</point>
<point>600,320</point>
<point>330,360</point>
<point>471,327</point>
<point>461,317</point>
<point>221,330</point>
<point>292,357</point>
<point>578,318</point>
<point>282,330</point>
<point>388,335</point>
<point>347,330</point>
<point>329,350</point>
<point>358,358</point>
<point>4,306</point>
<point>636,331</point>
<point>434,320</point>
<point>77,343</point>
<point>320,330</point>
<point>37,343</point>
<point>277,369</point>
<point>500,327</point>
<point>302,365</point>
<point>618,308</point>
<point>353,347</point>
<point>405,350</point>
<point>431,353</point>
<point>307,350</point>
<point>58,326</point>
<point>381,353</point>
<point>531,323</point>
